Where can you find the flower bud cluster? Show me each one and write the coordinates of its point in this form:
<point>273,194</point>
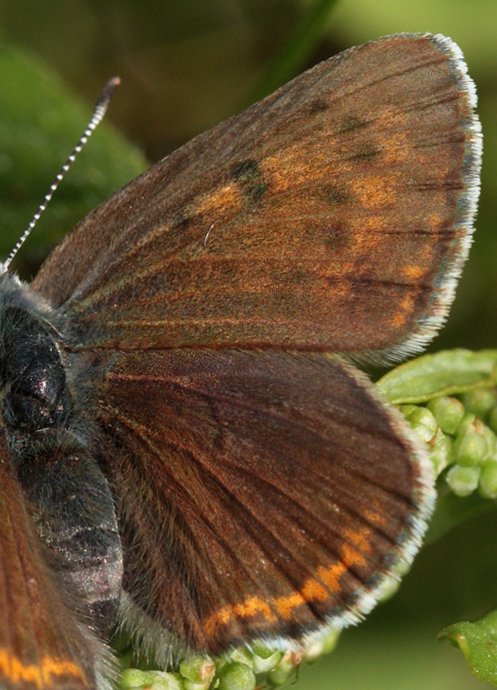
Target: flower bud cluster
<point>460,434</point>
<point>243,668</point>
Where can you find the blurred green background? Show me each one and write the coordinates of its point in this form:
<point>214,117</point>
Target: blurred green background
<point>185,65</point>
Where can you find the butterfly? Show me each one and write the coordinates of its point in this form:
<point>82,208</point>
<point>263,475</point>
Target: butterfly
<point>187,445</point>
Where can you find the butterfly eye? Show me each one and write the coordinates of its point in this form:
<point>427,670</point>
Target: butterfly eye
<point>32,373</point>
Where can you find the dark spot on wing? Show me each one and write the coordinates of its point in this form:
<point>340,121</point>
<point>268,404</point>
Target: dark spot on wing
<point>247,174</point>
<point>366,152</point>
<point>182,220</point>
<point>352,123</point>
<point>318,106</point>
<point>245,170</point>
<point>257,191</point>
<point>335,194</point>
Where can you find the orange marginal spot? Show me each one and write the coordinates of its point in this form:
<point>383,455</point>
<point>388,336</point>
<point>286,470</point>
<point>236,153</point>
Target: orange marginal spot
<point>219,198</point>
<point>313,590</point>
<point>404,311</point>
<point>351,556</point>
<point>413,271</point>
<point>359,539</point>
<point>375,518</point>
<point>54,667</point>
<point>217,619</point>
<point>252,606</point>
<point>246,609</point>
<point>284,605</point>
<point>331,575</point>
<point>435,220</point>
<point>39,674</point>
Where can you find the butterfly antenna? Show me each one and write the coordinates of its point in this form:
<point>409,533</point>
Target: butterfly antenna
<point>98,113</point>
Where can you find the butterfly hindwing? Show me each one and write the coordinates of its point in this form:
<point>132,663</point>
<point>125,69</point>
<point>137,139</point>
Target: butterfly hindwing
<point>252,500</point>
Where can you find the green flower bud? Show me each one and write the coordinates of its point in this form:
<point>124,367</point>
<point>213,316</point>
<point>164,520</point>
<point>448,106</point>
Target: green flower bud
<point>463,480</point>
<point>441,453</point>
<point>488,479</point>
<point>321,645</point>
<point>264,659</point>
<point>448,412</point>
<point>236,676</point>
<point>469,448</point>
<point>424,423</point>
<point>468,423</point>
<point>198,672</point>
<point>408,409</point>
<point>132,678</point>
<point>491,441</point>
<point>479,401</point>
<point>242,655</point>
<point>285,669</point>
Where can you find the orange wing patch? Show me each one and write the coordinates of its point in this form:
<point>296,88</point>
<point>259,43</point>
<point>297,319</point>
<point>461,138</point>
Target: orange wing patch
<point>39,675</point>
<point>327,581</point>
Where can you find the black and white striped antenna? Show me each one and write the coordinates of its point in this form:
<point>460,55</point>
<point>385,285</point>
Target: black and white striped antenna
<point>98,113</point>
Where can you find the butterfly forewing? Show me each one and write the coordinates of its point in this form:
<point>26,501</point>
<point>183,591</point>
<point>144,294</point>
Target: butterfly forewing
<point>286,226</point>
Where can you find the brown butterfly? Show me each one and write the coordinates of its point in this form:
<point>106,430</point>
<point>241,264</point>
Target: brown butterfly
<point>186,444</point>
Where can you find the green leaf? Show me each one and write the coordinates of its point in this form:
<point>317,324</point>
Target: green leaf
<point>450,372</point>
<point>40,123</point>
<point>478,643</point>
